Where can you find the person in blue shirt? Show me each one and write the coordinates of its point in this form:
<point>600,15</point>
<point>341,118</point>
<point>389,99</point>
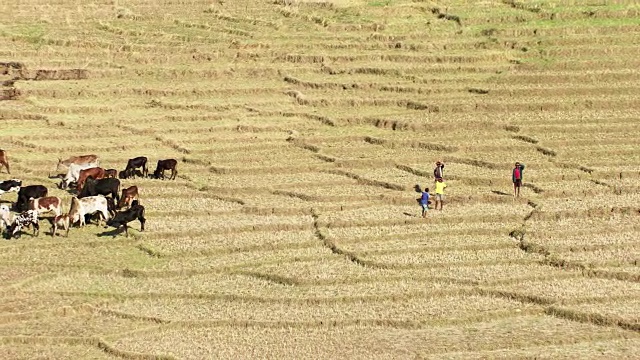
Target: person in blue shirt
<point>424,202</point>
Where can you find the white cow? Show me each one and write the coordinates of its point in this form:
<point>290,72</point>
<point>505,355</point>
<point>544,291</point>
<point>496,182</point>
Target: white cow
<point>5,217</point>
<point>73,174</point>
<point>88,205</point>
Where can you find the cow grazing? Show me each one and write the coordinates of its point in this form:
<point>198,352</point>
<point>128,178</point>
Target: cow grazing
<point>169,164</point>
<point>111,173</point>
<point>4,161</point>
<point>94,172</point>
<point>123,175</point>
<point>46,204</point>
<point>136,211</point>
<point>73,174</point>
<point>63,221</point>
<point>27,218</point>
<point>107,186</point>
<point>12,185</point>
<point>78,160</point>
<point>128,195</point>
<point>28,192</point>
<point>132,164</point>
<point>88,205</point>
<point>5,217</point>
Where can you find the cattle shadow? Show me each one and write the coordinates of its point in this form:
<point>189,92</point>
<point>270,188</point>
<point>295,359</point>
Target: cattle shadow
<point>498,192</point>
<point>113,233</point>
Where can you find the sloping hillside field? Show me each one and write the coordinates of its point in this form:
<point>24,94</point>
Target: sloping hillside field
<point>301,128</point>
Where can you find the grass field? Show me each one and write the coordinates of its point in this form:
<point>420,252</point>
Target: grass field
<point>301,128</point>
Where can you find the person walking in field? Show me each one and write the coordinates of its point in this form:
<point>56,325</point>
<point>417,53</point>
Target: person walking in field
<point>424,202</point>
<point>516,177</point>
<point>440,186</point>
<point>438,172</point>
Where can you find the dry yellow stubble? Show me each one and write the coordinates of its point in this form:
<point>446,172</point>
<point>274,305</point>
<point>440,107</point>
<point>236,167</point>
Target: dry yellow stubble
<point>300,129</point>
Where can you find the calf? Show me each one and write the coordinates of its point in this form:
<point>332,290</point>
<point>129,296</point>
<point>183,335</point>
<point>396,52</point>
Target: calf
<point>95,172</point>
<point>88,205</point>
<point>27,218</point>
<point>78,160</point>
<point>111,173</point>
<point>27,192</point>
<point>169,164</point>
<point>132,164</point>
<point>123,175</point>
<point>128,195</point>
<point>12,185</point>
<point>73,174</point>
<point>46,204</point>
<point>136,211</point>
<point>63,221</point>
<point>4,161</point>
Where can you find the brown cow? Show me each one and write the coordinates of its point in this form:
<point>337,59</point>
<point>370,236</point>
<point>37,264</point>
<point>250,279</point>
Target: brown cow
<point>46,204</point>
<point>78,160</point>
<point>95,172</point>
<point>4,161</point>
<point>111,173</point>
<point>128,195</point>
<point>63,221</point>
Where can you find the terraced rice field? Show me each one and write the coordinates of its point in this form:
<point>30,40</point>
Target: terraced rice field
<point>301,129</point>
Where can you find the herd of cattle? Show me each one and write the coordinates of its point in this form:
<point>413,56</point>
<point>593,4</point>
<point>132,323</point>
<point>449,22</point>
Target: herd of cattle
<point>96,193</point>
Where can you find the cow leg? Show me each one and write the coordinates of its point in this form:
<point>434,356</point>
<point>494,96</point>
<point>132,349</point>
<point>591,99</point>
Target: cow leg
<point>6,164</point>
<point>174,173</point>
<point>105,215</point>
<point>54,228</point>
<point>36,229</point>
<point>142,221</point>
<point>126,229</point>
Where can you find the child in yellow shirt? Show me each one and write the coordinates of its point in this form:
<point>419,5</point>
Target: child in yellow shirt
<point>440,185</point>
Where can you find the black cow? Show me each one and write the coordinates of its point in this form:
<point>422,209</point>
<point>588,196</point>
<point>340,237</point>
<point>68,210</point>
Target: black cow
<point>163,165</point>
<point>132,164</point>
<point>106,186</point>
<point>12,185</point>
<point>28,192</point>
<point>136,211</point>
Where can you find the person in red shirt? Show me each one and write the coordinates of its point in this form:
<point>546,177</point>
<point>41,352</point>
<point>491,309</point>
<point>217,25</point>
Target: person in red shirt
<point>516,177</point>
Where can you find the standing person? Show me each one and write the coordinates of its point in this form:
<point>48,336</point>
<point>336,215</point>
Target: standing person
<point>424,202</point>
<point>440,185</point>
<point>438,172</point>
<point>516,177</point>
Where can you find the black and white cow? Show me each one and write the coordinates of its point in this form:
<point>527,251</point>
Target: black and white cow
<point>12,185</point>
<point>27,192</point>
<point>25,219</point>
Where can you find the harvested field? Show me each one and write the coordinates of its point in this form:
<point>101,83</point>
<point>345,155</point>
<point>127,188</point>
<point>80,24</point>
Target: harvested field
<point>300,131</point>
